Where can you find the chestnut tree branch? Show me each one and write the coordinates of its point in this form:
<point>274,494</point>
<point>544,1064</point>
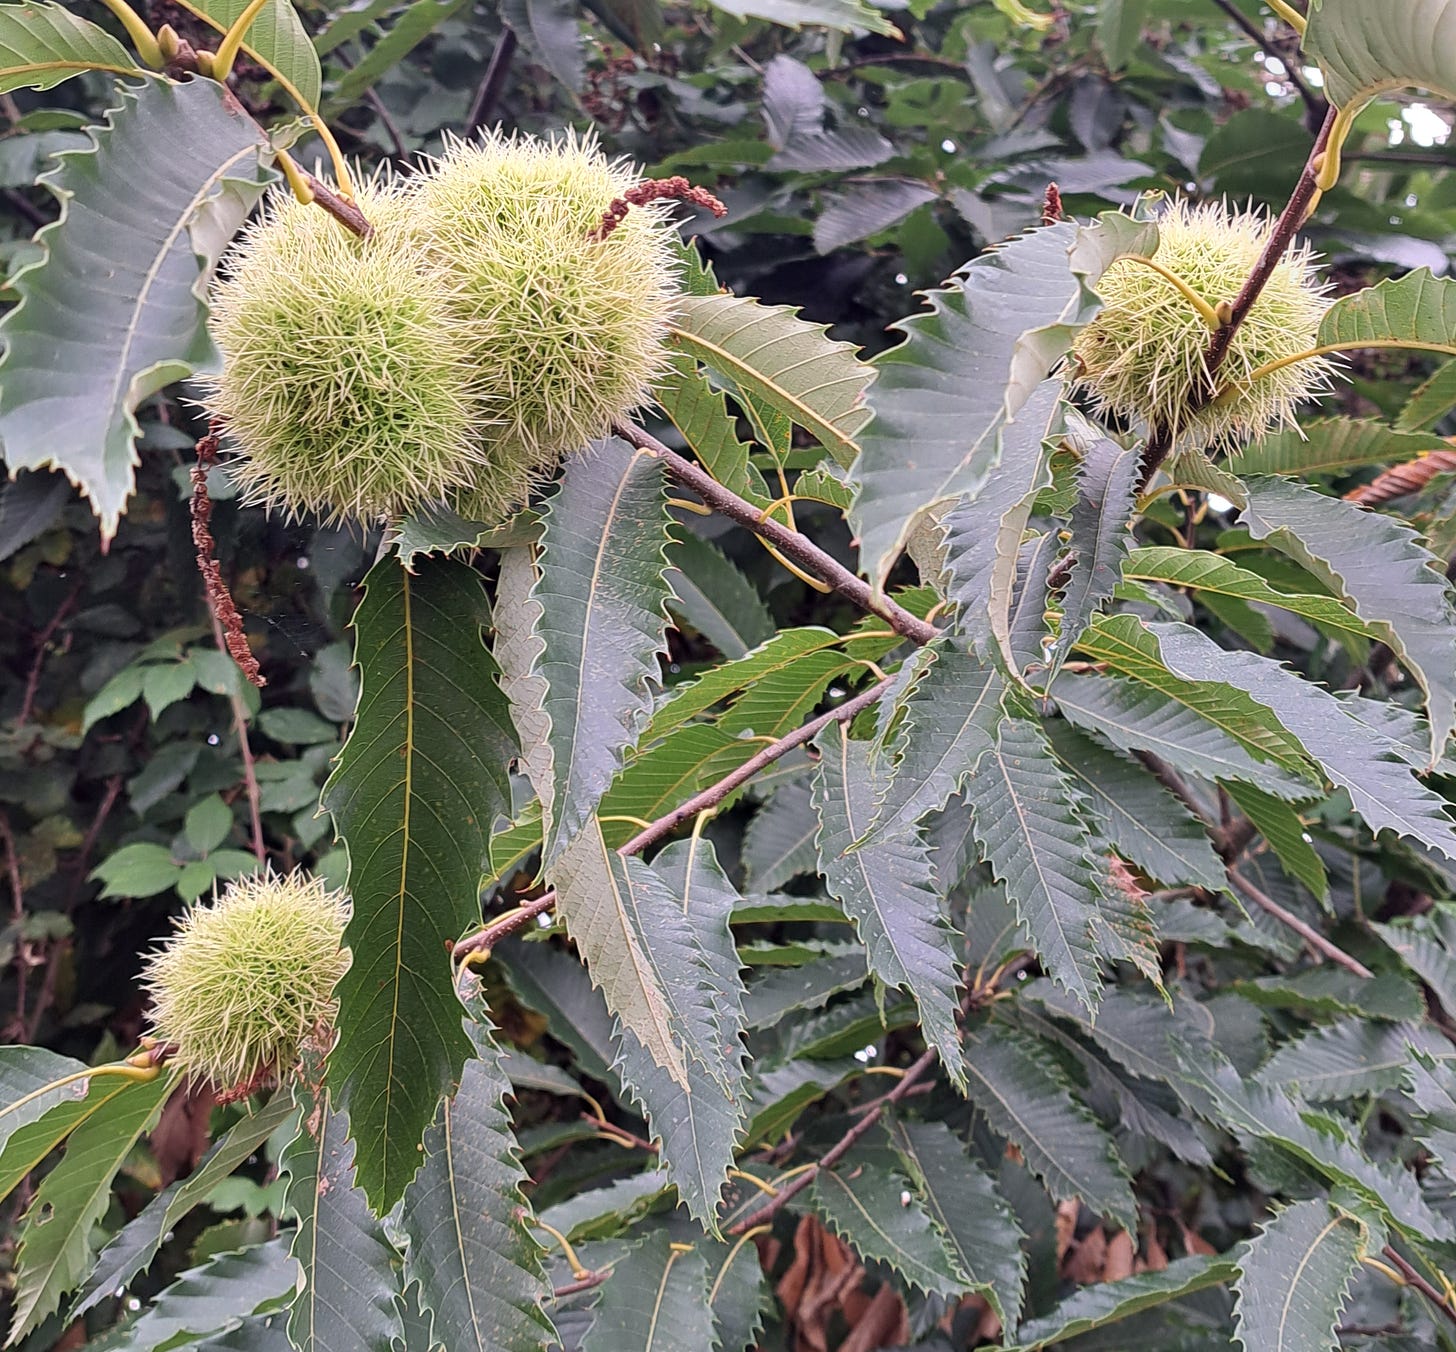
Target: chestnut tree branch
<point>794,546</point>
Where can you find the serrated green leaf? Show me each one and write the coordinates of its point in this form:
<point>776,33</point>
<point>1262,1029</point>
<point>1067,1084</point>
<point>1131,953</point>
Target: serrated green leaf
<point>880,1214</point>
<point>1103,1303</point>
<point>1331,446</point>
<point>602,622</point>
<point>715,597</point>
<point>79,359</point>
<point>32,1082</point>
<point>740,1294</point>
<point>982,1231</point>
<point>556,984</point>
<point>1353,1056</point>
<point>1382,787</point>
<point>698,1123</point>
<point>1253,1111</point>
<point>656,1299</point>
<point>887,889</point>
<point>479,1274</point>
<point>640,950</point>
<point>1199,729</point>
<point>1027,823</point>
<point>414,795</point>
<point>964,372</point>
<point>782,1091</point>
<point>1145,823</point>
<point>1431,400</point>
<point>599,1212</point>
<point>799,663</point>
<point>1363,51</point>
<point>347,1283</point>
<point>1294,1278</point>
<point>55,1242</point>
<point>661,777</point>
<point>1207,573</point>
<point>139,1241</point>
<point>779,992</point>
<point>1416,310</point>
<point>213,1297</point>
<point>947,720</point>
<point>276,40</point>
<point>778,843</point>
<point>42,44</point>
<point>1107,488</point>
<point>1026,1098</point>
<point>700,412</point>
<point>1128,648</point>
<point>1280,825</point>
<point>1425,943</point>
<point>1378,564</point>
<point>789,363</point>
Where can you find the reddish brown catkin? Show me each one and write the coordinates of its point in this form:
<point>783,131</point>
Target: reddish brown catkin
<point>652,190</point>
<point>218,596</point>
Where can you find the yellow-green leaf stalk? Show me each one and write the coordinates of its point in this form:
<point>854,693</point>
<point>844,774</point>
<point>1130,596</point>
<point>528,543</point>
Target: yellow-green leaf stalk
<point>243,982</point>
<point>566,330</point>
<point>1143,357</point>
<point>347,384</point>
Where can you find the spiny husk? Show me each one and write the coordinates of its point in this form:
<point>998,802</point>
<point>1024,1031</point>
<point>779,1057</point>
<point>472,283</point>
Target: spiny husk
<point>243,981</point>
<point>1144,356</point>
<point>567,331</point>
<point>346,384</point>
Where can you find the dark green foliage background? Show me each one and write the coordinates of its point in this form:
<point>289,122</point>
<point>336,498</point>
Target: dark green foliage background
<point>935,146</point>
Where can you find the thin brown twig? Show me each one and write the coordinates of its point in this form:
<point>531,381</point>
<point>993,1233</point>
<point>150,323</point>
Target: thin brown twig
<point>42,642</point>
<point>581,1284</point>
<point>17,911</point>
<point>245,751</point>
<point>492,83</point>
<point>790,543</point>
<point>839,1150</point>
<point>1315,104</point>
<point>1308,933</point>
<point>1416,1280</point>
<point>339,207</point>
<point>390,126</point>
<point>507,925</point>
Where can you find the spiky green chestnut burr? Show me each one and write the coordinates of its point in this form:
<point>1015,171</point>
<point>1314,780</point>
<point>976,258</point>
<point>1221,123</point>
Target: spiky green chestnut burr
<point>1144,356</point>
<point>244,981</point>
<point>567,329</point>
<point>346,386</point>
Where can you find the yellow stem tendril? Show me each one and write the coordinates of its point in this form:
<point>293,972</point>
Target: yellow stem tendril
<point>1354,345</point>
<point>1390,1272</point>
<point>641,823</point>
<point>342,178</point>
<point>1329,167</point>
<point>1206,312</point>
<point>697,508</point>
<point>766,1188</point>
<point>1289,14</point>
<point>732,1254</point>
<point>232,41</point>
<point>297,179</point>
<point>805,578</point>
<point>787,503</point>
<point>142,37</point>
<point>896,1072</point>
<point>577,1270</point>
